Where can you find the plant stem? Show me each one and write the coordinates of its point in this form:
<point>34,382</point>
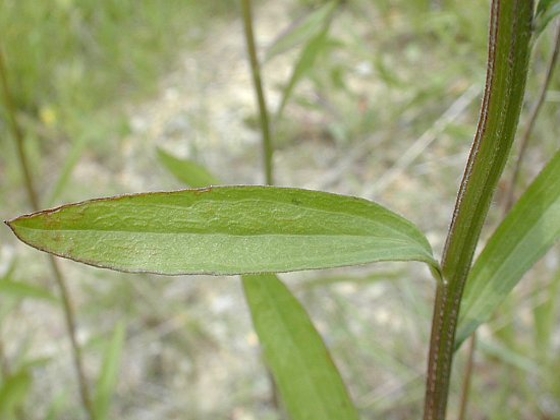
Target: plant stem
<point>267,146</point>
<point>18,135</point>
<point>32,195</point>
<point>508,56</point>
<point>258,88</point>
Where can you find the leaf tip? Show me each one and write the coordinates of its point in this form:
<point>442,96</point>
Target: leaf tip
<point>10,223</point>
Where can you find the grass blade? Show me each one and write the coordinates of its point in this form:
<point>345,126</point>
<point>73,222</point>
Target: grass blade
<point>525,235</point>
<point>309,382</point>
<point>305,63</point>
<point>22,290</point>
<point>13,393</point>
<point>305,30</point>
<point>547,10</point>
<point>109,374</point>
<point>187,171</point>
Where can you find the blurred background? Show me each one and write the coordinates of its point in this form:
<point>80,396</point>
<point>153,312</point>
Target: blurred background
<point>384,106</point>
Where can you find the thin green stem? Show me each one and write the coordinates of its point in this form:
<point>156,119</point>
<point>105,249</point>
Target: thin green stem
<point>68,310</point>
<point>18,135</point>
<point>259,91</point>
<point>266,145</point>
<point>508,57</point>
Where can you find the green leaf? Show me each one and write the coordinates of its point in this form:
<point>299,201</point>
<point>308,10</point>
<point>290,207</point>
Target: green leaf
<point>13,392</point>
<point>109,374</point>
<point>526,234</point>
<point>507,355</point>
<point>225,230</point>
<point>304,65</point>
<point>545,315</point>
<point>22,290</point>
<point>547,10</point>
<point>305,30</point>
<point>57,406</point>
<point>187,171</point>
<point>307,378</point>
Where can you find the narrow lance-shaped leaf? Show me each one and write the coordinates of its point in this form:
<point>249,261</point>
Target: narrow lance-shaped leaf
<point>109,374</point>
<point>547,10</point>
<point>225,230</point>
<point>303,31</point>
<point>309,382</point>
<point>23,290</point>
<point>187,171</point>
<point>305,63</point>
<point>526,234</point>
<point>13,392</point>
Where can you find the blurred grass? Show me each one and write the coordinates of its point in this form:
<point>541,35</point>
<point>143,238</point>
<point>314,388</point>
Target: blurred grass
<point>73,66</point>
<point>86,54</point>
<point>392,68</point>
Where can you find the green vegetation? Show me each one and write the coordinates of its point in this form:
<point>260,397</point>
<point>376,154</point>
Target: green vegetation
<point>73,66</point>
<point>427,61</point>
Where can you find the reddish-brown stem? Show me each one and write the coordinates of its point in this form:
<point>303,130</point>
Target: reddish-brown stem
<point>508,53</point>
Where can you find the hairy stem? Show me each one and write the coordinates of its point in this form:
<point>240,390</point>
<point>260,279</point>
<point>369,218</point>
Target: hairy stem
<point>69,315</point>
<point>508,56</point>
